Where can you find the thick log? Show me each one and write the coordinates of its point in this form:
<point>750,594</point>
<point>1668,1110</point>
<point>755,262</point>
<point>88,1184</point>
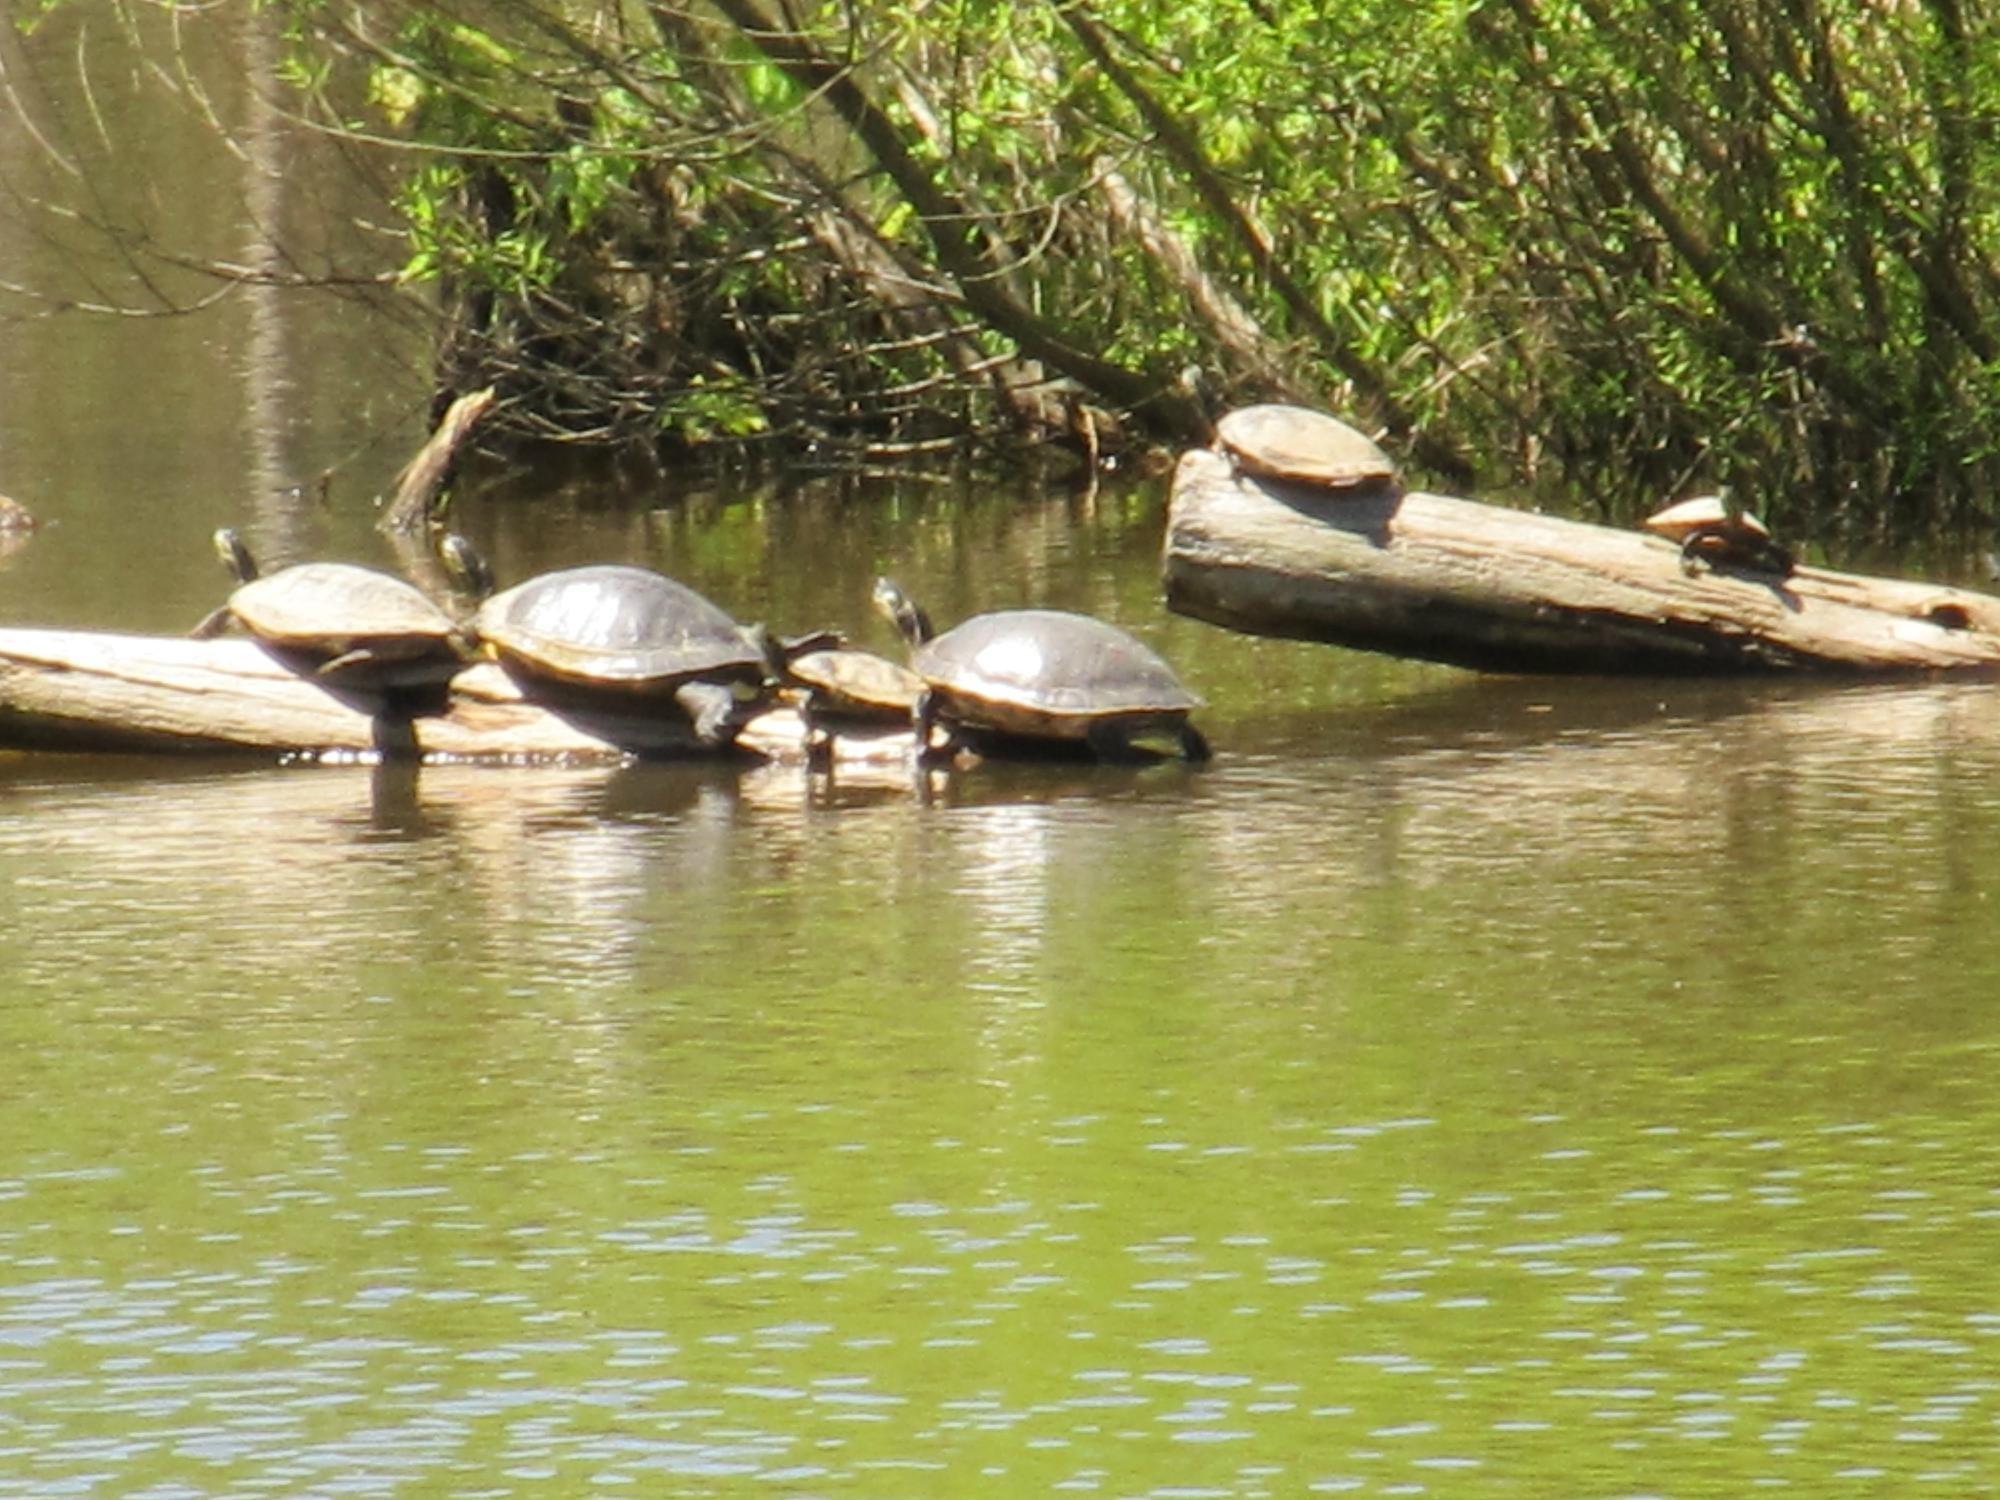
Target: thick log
<point>84,690</point>
<point>1489,587</point>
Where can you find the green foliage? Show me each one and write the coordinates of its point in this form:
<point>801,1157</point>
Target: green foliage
<point>1638,245</point>
<point>700,412</point>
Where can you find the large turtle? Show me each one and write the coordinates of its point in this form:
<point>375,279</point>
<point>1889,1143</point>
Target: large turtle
<point>1715,530</point>
<point>1041,674</point>
<point>1303,446</point>
<point>352,626</point>
<point>613,634</point>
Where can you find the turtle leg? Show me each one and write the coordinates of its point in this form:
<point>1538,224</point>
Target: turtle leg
<point>1692,555</point>
<point>1194,744</point>
<point>1777,558</point>
<point>359,656</point>
<point>213,623</point>
<point>923,718</point>
<point>1110,741</point>
<point>712,707</point>
<point>818,738</point>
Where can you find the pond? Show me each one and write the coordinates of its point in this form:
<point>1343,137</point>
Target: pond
<point>1461,1086</point>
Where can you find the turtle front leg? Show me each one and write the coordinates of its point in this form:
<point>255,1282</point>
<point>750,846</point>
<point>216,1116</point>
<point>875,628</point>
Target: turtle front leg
<point>923,719</point>
<point>1194,744</point>
<point>818,741</point>
<point>213,623</point>
<point>1695,545</point>
<point>712,708</point>
<point>333,665</point>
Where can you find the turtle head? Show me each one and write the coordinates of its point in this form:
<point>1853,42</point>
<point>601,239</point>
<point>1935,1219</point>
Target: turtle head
<point>235,554</point>
<point>465,565</point>
<point>779,651</point>
<point>767,645</point>
<point>907,615</point>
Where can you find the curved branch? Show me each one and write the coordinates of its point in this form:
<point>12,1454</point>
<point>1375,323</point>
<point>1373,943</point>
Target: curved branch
<point>953,229</point>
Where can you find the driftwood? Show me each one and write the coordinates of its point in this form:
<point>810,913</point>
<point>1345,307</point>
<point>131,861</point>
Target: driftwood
<point>81,690</point>
<point>417,485</point>
<point>1484,586</point>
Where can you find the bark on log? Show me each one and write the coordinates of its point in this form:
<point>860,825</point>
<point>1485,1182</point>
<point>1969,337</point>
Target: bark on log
<point>1506,590</point>
<point>80,690</point>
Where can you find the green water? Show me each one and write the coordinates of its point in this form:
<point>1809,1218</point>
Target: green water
<point>1437,1110</point>
<point>1460,1088</point>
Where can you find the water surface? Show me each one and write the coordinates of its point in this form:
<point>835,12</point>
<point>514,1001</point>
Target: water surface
<point>1454,1107</point>
<point>1462,1087</point>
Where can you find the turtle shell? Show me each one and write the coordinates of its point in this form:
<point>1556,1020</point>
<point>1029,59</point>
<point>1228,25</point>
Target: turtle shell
<point>1296,443</point>
<point>1704,513</point>
<point>849,681</point>
<point>1048,672</point>
<point>332,609</point>
<point>612,625</point>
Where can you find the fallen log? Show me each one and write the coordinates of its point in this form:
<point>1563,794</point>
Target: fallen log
<point>1499,589</point>
<point>88,690</point>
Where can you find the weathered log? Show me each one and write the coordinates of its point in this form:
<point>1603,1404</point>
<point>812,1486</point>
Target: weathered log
<point>1508,590</point>
<point>82,690</point>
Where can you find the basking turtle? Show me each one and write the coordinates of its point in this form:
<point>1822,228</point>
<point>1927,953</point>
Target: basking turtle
<point>351,625</point>
<point>1713,529</point>
<point>610,633</point>
<point>840,685</point>
<point>1304,446</point>
<point>1041,674</point>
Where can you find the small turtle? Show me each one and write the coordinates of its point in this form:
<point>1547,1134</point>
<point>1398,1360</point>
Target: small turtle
<point>841,686</point>
<point>1715,530</point>
<point>1041,674</point>
<point>611,634</point>
<point>1303,446</point>
<point>347,624</point>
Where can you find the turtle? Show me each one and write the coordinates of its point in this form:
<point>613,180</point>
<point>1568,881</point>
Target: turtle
<point>353,626</point>
<point>841,684</point>
<point>612,633</point>
<point>1303,446</point>
<point>1715,530</point>
<point>1041,674</point>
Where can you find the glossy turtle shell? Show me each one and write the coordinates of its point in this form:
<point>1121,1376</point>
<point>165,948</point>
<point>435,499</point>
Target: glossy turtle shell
<point>616,626</point>
<point>333,609</point>
<point>1704,513</point>
<point>1048,672</point>
<point>846,681</point>
<point>1305,446</point>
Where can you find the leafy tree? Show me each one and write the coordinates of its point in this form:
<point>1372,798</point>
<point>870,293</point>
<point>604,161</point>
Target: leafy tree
<point>1637,246</point>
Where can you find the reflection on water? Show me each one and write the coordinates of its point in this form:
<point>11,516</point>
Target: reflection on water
<point>1543,1089</point>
